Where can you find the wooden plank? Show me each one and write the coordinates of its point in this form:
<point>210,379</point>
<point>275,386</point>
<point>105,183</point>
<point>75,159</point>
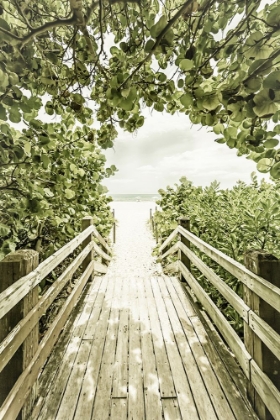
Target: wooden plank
<point>183,391</point>
<point>236,400</point>
<point>68,404</point>
<point>51,370</point>
<point>224,365</point>
<point>13,294</point>
<point>266,390</point>
<point>198,368</point>
<point>171,250</point>
<point>170,409</point>
<point>119,409</point>
<point>100,268</point>
<point>168,240</point>
<point>101,252</point>
<point>18,334</point>
<point>56,391</point>
<point>104,328</point>
<point>162,363</point>
<point>232,297</point>
<point>101,411</point>
<point>267,334</point>
<point>262,287</point>
<point>136,409</point>
<point>153,407</point>
<point>101,240</point>
<point>19,393</point>
<point>220,321</point>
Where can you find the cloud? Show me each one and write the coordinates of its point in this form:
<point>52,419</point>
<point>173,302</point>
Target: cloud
<point>168,147</point>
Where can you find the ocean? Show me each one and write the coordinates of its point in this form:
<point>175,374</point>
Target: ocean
<point>135,197</point>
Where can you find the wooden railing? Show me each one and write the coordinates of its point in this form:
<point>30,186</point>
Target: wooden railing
<point>259,354</point>
<point>21,354</point>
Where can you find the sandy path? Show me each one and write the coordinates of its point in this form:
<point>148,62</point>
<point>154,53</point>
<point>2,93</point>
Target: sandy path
<point>134,240</point>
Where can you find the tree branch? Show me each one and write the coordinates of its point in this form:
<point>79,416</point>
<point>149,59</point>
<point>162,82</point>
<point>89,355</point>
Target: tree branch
<point>180,12</point>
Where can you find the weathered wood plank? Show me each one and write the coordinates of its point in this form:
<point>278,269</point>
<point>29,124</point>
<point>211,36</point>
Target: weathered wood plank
<point>263,288</point>
<point>184,394</point>
<point>21,389</point>
<point>267,334</point>
<point>198,369</point>
<point>168,240</point>
<point>101,240</point>
<point>100,268</point>
<point>220,321</point>
<point>136,409</point>
<point>68,404</point>
<point>51,370</point>
<point>232,297</point>
<point>266,390</point>
<point>153,407</point>
<point>162,363</point>
<point>101,252</point>
<point>13,294</point>
<point>102,330</point>
<point>171,250</point>
<point>105,379</point>
<point>119,409</point>
<point>18,334</point>
<point>170,409</point>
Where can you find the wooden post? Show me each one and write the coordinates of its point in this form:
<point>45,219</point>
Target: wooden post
<point>114,228</point>
<point>155,228</point>
<point>86,222</point>
<point>151,219</point>
<point>185,223</point>
<point>268,267</point>
<point>12,268</point>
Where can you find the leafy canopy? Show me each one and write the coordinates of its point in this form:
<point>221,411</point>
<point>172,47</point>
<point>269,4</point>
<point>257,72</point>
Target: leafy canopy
<point>216,61</point>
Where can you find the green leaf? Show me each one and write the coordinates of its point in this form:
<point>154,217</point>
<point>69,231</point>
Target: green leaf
<point>149,45</point>
<point>69,194</point>
<point>4,230</point>
<point>186,100</point>
<point>158,27</point>
<point>264,165</point>
<point>211,102</point>
<point>186,64</point>
<point>3,113</point>
<point>275,171</point>
<point>272,81</point>
<point>46,161</point>
<point>15,115</point>
<point>271,143</point>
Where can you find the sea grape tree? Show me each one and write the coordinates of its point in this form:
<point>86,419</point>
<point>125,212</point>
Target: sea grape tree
<point>101,62</point>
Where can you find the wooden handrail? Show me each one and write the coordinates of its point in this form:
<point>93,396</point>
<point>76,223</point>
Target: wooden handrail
<point>12,295</point>
<point>262,287</point>
<point>267,389</point>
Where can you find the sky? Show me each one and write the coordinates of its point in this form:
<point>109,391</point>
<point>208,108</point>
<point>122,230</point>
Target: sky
<point>168,147</point>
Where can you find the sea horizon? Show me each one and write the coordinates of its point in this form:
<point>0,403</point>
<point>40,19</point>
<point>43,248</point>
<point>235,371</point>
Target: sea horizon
<point>135,197</point>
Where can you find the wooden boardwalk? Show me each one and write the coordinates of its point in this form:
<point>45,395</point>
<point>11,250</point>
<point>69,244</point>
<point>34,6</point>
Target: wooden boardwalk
<point>136,348</point>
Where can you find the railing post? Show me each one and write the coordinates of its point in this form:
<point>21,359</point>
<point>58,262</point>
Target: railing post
<point>12,268</point>
<point>267,266</point>
<point>151,219</point>
<point>155,228</point>
<point>185,223</point>
<point>86,222</point>
<point>114,227</point>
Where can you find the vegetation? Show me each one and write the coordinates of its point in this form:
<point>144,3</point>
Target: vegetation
<point>215,61</point>
<point>232,220</point>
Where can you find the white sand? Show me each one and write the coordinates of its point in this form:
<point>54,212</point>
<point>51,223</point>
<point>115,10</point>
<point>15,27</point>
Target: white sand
<point>134,240</point>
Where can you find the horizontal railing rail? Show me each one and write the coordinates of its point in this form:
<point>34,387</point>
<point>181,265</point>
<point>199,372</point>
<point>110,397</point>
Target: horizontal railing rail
<point>19,341</point>
<point>259,361</point>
